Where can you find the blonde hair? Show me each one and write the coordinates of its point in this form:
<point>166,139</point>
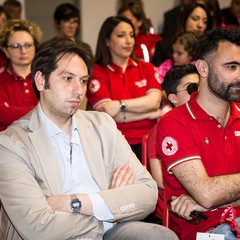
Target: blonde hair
<point>15,25</point>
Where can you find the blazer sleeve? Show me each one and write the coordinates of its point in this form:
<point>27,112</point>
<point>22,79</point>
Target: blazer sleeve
<point>131,202</point>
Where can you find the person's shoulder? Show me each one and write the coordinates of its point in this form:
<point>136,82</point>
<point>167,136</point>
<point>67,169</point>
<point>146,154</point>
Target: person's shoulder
<point>46,43</point>
<point>177,114</point>
<point>143,64</point>
<point>173,11</point>
<point>95,117</point>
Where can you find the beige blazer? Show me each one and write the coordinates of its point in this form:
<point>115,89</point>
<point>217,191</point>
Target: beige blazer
<point>29,172</point>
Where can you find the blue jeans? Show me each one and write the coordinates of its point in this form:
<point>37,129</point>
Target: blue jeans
<point>225,230</point>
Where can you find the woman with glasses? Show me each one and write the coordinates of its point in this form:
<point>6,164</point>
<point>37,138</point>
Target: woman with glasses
<point>19,40</point>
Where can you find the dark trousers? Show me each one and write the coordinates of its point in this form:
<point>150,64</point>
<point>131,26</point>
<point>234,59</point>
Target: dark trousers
<point>139,231</point>
<point>137,149</point>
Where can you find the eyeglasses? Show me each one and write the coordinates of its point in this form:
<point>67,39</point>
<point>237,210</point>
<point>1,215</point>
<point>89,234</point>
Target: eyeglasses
<point>192,87</point>
<point>19,47</point>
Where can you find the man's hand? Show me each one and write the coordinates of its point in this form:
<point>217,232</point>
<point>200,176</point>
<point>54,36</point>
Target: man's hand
<point>184,205</point>
<point>122,176</point>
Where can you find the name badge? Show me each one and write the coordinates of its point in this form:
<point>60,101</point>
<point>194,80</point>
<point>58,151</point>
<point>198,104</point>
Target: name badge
<point>209,236</point>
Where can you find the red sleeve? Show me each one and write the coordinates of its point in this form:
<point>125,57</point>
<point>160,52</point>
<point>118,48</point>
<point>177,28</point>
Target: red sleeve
<point>9,112</point>
<point>152,143</point>
<point>98,90</point>
<point>175,140</point>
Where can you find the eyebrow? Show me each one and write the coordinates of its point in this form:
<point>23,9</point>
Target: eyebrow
<point>231,63</point>
<point>72,74</point>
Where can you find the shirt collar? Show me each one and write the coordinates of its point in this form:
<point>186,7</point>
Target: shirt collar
<point>14,74</point>
<point>197,112</point>
<point>53,130</point>
<point>113,67</point>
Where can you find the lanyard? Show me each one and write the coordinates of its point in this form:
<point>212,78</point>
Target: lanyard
<point>228,216</point>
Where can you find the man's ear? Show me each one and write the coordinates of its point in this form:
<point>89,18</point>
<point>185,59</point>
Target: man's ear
<point>39,81</point>
<point>202,67</point>
<point>172,98</point>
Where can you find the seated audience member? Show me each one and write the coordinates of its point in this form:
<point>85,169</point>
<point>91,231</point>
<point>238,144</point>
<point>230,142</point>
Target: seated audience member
<point>217,19</point>
<point>127,90</point>
<point>67,21</point>
<point>179,83</point>
<point>13,8</point>
<point>19,40</point>
<point>3,20</point>
<point>231,15</point>
<point>199,143</point>
<point>145,41</point>
<point>172,18</point>
<point>3,16</point>
<point>53,183</point>
<point>183,47</point>
<point>196,17</point>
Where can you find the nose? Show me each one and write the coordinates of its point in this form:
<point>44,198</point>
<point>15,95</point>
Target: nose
<point>79,87</point>
<point>200,24</point>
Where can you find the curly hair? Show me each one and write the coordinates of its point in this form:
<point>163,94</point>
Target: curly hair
<point>15,25</point>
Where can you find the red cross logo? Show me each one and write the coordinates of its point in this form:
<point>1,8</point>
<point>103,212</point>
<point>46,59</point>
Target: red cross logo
<point>169,146</point>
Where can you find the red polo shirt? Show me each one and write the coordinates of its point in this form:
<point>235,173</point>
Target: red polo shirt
<point>189,133</point>
<point>110,83</point>
<point>16,97</point>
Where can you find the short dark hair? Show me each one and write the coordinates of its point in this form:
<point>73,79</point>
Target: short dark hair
<point>210,40</point>
<point>103,55</point>
<point>173,77</point>
<point>65,12</point>
<point>46,59</point>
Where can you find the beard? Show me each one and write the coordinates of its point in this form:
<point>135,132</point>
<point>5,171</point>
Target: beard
<point>220,88</point>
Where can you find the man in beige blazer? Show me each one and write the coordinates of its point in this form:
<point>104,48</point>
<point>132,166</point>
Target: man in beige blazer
<point>54,185</point>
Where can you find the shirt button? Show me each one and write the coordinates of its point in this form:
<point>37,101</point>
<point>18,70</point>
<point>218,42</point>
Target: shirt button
<point>27,91</point>
<point>219,126</point>
<point>25,84</point>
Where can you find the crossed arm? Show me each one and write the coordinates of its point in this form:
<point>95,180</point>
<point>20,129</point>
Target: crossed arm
<point>146,107</point>
<point>205,192</point>
<point>122,176</point>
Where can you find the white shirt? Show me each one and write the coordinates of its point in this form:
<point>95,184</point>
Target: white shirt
<point>75,173</point>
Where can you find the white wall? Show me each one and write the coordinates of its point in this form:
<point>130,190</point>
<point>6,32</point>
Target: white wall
<point>94,12</point>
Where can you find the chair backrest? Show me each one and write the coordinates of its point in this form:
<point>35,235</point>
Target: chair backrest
<point>161,210</point>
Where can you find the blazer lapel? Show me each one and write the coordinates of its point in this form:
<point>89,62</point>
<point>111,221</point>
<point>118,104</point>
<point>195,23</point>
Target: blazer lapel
<point>45,152</point>
<point>92,151</point>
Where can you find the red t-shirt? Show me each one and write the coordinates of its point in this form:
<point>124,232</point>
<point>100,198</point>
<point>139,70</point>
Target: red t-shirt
<point>110,83</point>
<point>16,97</point>
<point>188,133</point>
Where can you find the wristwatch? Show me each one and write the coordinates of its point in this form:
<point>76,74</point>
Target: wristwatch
<point>123,106</point>
<point>75,204</point>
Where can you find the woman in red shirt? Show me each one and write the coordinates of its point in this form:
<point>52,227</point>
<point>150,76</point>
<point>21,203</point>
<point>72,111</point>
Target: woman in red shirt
<point>129,91</point>
<point>19,40</point>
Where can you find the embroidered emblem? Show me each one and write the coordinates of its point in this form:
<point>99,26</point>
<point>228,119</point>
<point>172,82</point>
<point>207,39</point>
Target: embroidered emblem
<point>237,133</point>
<point>206,140</point>
<point>141,83</point>
<point>94,86</point>
<point>169,146</point>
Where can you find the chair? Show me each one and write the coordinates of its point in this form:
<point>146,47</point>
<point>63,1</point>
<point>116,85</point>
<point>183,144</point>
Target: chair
<point>161,210</point>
